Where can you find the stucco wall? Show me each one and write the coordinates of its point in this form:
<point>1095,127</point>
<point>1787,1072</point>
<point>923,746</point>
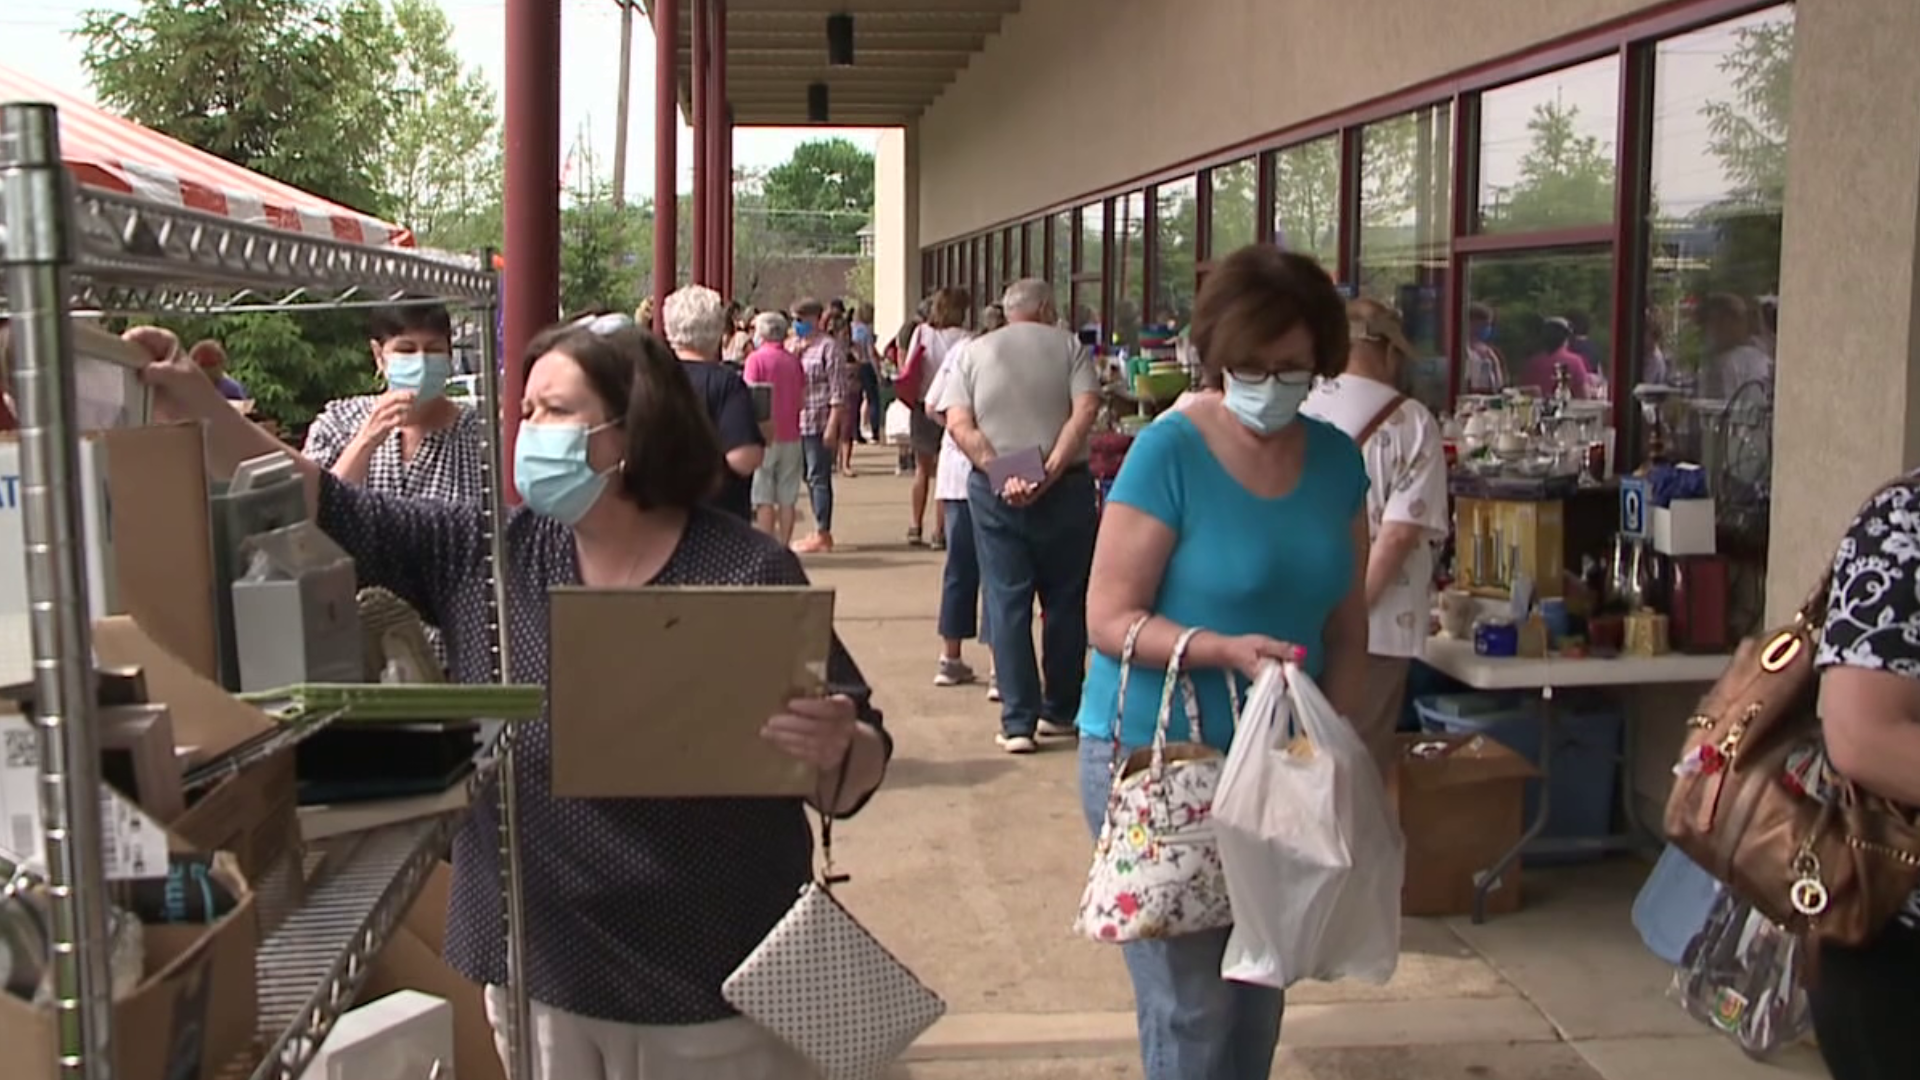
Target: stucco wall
<point>1077,95</point>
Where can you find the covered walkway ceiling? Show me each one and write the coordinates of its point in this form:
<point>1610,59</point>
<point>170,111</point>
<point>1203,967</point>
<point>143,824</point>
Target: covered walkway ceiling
<point>906,52</point>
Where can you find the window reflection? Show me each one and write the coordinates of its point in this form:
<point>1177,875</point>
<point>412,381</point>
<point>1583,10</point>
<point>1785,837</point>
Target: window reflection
<point>1547,150</point>
<point>1060,263</point>
<point>1174,226</point>
<point>1088,277</point>
<point>1718,175</point>
<point>1406,194</point>
<point>1035,245</point>
<point>1536,317</point>
<point>1129,291</point>
<point>1235,189</point>
<point>1306,200</point>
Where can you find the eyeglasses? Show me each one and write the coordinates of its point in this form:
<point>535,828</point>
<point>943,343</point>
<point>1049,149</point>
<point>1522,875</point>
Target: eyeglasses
<point>602,325</point>
<point>1261,376</point>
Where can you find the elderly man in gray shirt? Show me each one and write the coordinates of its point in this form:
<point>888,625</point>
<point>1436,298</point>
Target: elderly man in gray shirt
<point>1020,403</point>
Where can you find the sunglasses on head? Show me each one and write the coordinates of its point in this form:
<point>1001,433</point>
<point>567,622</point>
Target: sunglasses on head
<point>602,325</point>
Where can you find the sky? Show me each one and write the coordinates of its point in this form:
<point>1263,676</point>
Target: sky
<point>34,39</point>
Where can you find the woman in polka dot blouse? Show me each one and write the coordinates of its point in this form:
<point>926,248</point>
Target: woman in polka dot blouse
<point>637,909</point>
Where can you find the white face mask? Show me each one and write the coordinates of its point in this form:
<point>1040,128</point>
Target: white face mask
<point>1270,404</point>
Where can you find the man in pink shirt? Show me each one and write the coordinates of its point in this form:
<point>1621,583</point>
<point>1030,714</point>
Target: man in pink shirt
<point>777,377</point>
<point>1543,369</point>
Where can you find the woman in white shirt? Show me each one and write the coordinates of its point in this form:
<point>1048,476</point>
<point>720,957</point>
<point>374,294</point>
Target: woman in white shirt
<point>961,615</point>
<point>1406,507</point>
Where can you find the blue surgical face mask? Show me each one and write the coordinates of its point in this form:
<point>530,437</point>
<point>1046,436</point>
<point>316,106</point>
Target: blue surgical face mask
<point>803,327</point>
<point>862,334</point>
<point>425,374</point>
<point>552,473</point>
<point>1484,332</point>
<point>1267,405</point>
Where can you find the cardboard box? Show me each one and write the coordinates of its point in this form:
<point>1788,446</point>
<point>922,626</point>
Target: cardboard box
<point>254,813</point>
<point>192,1016</point>
<point>1685,527</point>
<point>411,961</point>
<point>1461,801</point>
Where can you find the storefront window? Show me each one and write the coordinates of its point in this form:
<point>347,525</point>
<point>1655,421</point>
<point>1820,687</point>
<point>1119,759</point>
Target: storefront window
<point>1130,290</point>
<point>1306,200</point>
<point>1035,246</point>
<point>1547,150</point>
<point>1089,271</point>
<point>1406,195</point>
<point>1546,306</point>
<point>1718,175</point>
<point>1235,191</point>
<point>1175,226</point>
<point>1060,263</point>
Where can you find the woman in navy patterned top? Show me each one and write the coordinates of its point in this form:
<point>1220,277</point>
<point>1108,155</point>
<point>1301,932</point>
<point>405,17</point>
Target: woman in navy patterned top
<point>637,909</point>
<point>1866,1000</point>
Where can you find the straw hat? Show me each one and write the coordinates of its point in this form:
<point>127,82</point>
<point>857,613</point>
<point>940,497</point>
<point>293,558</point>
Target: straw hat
<point>1371,320</point>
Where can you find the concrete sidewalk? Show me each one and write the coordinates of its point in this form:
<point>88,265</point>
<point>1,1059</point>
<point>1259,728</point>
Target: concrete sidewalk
<point>970,863</point>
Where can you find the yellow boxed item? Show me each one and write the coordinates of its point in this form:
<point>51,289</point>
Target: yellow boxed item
<point>1461,803</point>
<point>253,813</point>
<point>191,1017</point>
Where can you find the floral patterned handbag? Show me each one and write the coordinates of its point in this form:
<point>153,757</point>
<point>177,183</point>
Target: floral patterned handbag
<point>1156,868</point>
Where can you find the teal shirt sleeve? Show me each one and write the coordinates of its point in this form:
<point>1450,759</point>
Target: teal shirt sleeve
<point>1150,478</point>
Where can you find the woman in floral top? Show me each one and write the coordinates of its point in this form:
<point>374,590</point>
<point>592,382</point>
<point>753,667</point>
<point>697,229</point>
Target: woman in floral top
<point>637,909</point>
<point>1867,1000</point>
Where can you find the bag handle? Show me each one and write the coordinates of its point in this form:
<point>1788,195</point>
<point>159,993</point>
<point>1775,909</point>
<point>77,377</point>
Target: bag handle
<point>1175,665</point>
<point>828,876</point>
<point>1175,669</point>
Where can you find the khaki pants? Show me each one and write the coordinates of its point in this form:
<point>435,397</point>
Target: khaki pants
<point>1379,715</point>
<point>571,1047</point>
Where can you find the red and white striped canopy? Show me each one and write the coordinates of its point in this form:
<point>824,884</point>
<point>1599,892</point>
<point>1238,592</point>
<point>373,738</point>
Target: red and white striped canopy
<point>105,151</point>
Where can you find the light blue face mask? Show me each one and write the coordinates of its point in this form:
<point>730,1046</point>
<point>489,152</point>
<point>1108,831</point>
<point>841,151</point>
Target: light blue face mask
<point>1267,405</point>
<point>424,374</point>
<point>552,473</point>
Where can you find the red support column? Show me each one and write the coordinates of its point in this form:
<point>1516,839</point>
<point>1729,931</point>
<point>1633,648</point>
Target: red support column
<point>532,182</point>
<point>701,13</point>
<point>726,202</point>
<point>718,134</point>
<point>666,139</point>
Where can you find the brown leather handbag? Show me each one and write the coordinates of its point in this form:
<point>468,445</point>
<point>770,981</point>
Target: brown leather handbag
<point>1757,806</point>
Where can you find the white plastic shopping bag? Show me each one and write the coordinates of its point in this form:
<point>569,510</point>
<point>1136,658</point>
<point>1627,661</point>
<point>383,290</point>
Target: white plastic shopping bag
<point>899,423</point>
<point>1313,857</point>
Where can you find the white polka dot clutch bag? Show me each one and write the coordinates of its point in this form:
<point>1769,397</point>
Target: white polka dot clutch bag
<point>826,987</point>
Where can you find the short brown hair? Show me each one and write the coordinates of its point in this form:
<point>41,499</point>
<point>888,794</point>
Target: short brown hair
<point>808,306</point>
<point>1259,294</point>
<point>673,456</point>
<point>949,308</point>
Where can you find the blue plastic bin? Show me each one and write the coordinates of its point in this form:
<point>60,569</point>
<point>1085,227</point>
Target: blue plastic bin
<point>1585,765</point>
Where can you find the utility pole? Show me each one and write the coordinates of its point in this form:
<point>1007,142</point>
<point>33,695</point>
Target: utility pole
<point>624,106</point>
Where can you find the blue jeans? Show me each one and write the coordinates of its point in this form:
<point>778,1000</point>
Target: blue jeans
<point>1193,1024</point>
<point>961,616</point>
<point>1042,550</point>
<point>819,471</point>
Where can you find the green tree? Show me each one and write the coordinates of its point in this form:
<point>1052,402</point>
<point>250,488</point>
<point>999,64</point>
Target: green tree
<point>298,90</point>
<point>1566,178</point>
<point>1747,131</point>
<point>1306,198</point>
<point>440,167</point>
<point>830,180</point>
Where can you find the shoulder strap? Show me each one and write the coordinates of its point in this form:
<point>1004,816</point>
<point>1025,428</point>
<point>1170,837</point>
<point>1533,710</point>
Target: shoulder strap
<point>1379,418</point>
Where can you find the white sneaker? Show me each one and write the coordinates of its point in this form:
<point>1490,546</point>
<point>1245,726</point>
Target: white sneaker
<point>1054,729</point>
<point>1016,744</point>
<point>953,672</point>
<point>993,687</point>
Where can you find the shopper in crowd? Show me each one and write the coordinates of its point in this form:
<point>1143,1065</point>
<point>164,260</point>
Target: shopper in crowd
<point>960,611</point>
<point>1486,368</point>
<point>1030,392</point>
<point>1733,359</point>
<point>776,484</point>
<point>696,325</point>
<point>849,434</point>
<point>1244,518</point>
<point>739,335</point>
<point>1556,360</point>
<point>867,421</point>
<point>822,416</point>
<point>212,358</point>
<point>1581,344</point>
<point>1406,465</point>
<point>1655,366</point>
<point>927,353</point>
<point>1866,999</point>
<point>637,909</point>
<point>412,439</point>
<point>897,358</point>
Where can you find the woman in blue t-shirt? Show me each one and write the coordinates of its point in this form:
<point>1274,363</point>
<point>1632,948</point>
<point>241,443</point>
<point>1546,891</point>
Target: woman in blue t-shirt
<point>1245,518</point>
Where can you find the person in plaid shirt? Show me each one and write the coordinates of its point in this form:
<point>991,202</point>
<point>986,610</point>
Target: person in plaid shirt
<point>822,414</point>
